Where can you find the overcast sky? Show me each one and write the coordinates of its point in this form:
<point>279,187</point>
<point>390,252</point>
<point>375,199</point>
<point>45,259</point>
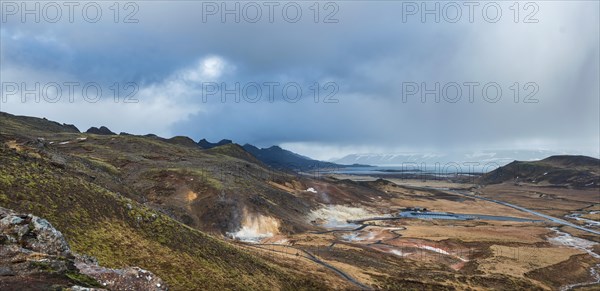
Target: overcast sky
<point>370,61</point>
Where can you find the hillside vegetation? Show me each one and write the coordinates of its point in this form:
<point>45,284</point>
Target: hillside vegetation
<point>83,188</point>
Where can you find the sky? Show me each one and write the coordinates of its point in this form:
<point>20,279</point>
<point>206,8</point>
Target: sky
<point>324,79</point>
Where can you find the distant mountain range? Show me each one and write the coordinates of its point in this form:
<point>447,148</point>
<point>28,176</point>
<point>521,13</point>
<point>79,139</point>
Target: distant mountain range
<point>495,158</point>
<point>279,158</point>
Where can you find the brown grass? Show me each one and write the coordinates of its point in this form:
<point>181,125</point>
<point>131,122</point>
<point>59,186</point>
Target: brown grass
<point>485,233</point>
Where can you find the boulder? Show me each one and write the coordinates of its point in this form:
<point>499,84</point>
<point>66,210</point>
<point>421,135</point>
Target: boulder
<point>36,254</point>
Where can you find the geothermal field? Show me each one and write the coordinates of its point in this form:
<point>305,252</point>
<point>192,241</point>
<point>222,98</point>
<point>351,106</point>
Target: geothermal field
<point>454,230</point>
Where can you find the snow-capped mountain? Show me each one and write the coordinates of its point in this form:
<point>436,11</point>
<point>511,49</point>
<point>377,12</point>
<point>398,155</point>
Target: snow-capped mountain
<point>499,157</point>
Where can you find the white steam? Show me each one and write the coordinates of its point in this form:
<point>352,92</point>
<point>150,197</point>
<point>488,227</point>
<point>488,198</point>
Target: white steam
<point>255,228</point>
<point>337,216</point>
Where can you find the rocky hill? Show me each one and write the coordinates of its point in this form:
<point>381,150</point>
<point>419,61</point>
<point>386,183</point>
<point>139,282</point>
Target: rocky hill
<point>34,125</point>
<point>141,201</point>
<point>560,171</point>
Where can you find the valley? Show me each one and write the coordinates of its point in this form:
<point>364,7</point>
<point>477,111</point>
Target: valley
<point>475,246</point>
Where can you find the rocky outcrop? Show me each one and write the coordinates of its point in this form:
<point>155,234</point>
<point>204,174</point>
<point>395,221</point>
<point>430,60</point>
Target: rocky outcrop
<point>70,128</point>
<point>203,143</point>
<point>131,278</point>
<point>182,140</point>
<point>103,130</point>
<point>35,256</point>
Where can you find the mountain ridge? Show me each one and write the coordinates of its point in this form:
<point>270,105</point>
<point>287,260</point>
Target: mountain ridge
<point>571,171</point>
<point>280,158</point>
<point>109,193</point>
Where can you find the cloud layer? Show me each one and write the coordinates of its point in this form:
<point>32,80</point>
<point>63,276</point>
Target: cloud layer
<point>183,66</point>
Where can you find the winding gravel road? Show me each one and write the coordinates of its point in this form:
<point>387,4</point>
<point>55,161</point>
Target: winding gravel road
<point>315,259</point>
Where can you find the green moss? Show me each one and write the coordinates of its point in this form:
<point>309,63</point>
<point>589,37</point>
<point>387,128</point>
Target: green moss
<point>214,183</point>
<point>3,198</point>
<point>198,174</point>
<point>82,279</point>
<point>42,266</point>
<point>103,165</point>
<point>6,179</point>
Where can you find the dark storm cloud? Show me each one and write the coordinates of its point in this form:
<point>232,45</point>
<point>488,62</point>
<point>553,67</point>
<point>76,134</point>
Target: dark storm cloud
<point>368,54</point>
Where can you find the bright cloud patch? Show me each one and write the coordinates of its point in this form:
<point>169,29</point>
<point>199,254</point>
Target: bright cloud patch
<point>207,69</point>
